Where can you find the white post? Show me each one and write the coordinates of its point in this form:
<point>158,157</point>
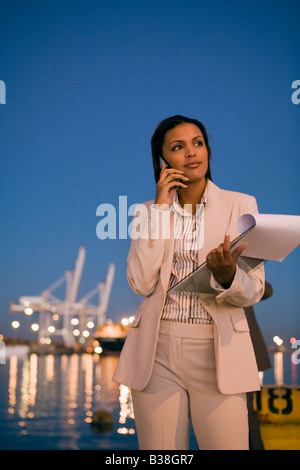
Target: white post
<point>2,353</point>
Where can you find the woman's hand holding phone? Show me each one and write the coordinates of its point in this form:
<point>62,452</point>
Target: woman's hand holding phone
<point>169,181</point>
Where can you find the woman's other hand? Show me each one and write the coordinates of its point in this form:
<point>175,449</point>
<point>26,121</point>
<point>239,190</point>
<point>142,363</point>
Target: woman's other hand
<point>222,263</point>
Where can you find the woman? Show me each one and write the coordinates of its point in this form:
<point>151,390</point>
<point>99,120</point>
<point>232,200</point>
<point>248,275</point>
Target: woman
<point>189,356</point>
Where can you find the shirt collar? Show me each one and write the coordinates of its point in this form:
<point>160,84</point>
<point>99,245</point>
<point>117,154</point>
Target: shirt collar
<point>180,210</point>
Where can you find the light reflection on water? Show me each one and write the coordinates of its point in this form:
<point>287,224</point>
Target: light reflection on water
<point>47,402</point>
<point>284,370</point>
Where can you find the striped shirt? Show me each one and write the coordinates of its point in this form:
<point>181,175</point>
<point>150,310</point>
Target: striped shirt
<point>188,234</point>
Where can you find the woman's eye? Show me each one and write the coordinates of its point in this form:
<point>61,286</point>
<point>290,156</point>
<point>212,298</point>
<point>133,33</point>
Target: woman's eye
<point>199,143</point>
<point>177,147</point>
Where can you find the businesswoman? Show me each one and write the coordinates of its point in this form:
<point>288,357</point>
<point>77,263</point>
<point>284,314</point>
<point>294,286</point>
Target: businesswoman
<point>189,356</point>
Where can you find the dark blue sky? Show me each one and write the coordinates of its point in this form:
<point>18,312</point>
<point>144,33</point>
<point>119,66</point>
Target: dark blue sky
<point>86,84</point>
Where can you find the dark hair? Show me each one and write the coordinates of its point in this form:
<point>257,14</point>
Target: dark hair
<point>159,137</point>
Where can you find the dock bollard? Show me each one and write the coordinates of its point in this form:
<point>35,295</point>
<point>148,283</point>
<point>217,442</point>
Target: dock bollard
<point>278,409</point>
<point>102,420</point>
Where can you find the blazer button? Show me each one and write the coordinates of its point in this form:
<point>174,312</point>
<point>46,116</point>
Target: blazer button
<point>219,301</point>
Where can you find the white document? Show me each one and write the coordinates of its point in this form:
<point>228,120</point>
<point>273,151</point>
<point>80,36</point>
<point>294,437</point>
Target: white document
<point>269,237</point>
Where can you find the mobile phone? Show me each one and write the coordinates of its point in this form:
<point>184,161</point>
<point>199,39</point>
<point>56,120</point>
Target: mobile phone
<point>161,161</point>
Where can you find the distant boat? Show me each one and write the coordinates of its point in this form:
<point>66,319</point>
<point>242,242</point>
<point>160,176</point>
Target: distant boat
<point>111,337</point>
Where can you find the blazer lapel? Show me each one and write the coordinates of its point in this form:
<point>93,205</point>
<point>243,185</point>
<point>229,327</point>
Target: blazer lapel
<point>215,219</point>
<point>168,256</point>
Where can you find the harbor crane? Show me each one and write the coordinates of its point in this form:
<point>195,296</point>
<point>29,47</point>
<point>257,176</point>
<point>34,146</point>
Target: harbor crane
<point>68,313</point>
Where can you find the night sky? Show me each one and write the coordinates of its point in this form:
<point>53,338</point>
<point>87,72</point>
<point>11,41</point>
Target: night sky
<point>88,81</point>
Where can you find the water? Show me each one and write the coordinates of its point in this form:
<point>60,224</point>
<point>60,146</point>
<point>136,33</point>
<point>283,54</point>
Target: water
<point>47,403</point>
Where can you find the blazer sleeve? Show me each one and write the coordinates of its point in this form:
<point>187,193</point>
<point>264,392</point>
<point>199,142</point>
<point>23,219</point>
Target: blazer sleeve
<point>147,248</point>
<point>247,288</point>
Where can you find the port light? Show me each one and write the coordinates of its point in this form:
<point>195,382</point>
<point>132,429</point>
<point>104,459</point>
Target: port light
<point>277,340</point>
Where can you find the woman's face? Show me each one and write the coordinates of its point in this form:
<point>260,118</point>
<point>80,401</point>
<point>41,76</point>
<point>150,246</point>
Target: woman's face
<point>184,149</point>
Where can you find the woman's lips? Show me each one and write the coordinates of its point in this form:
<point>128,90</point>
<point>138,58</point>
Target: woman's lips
<point>192,165</point>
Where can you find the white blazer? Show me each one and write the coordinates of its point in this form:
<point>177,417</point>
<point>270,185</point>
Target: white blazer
<point>149,266</point>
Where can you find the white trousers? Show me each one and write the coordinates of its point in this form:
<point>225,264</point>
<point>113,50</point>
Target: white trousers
<point>183,387</point>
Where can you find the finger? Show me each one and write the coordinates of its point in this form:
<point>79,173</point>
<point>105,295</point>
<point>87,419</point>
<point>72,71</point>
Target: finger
<point>227,242</point>
<point>211,258</point>
<point>220,254</point>
<point>176,178</point>
<point>162,167</point>
<point>171,173</point>
<point>176,183</point>
<point>238,251</point>
<point>209,261</point>
<point>172,170</point>
<point>227,253</point>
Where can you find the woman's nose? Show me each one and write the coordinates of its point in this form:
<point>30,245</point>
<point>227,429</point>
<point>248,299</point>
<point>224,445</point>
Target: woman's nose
<point>190,152</point>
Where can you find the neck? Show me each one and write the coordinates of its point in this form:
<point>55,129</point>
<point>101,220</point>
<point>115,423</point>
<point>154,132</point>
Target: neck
<point>193,194</point>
